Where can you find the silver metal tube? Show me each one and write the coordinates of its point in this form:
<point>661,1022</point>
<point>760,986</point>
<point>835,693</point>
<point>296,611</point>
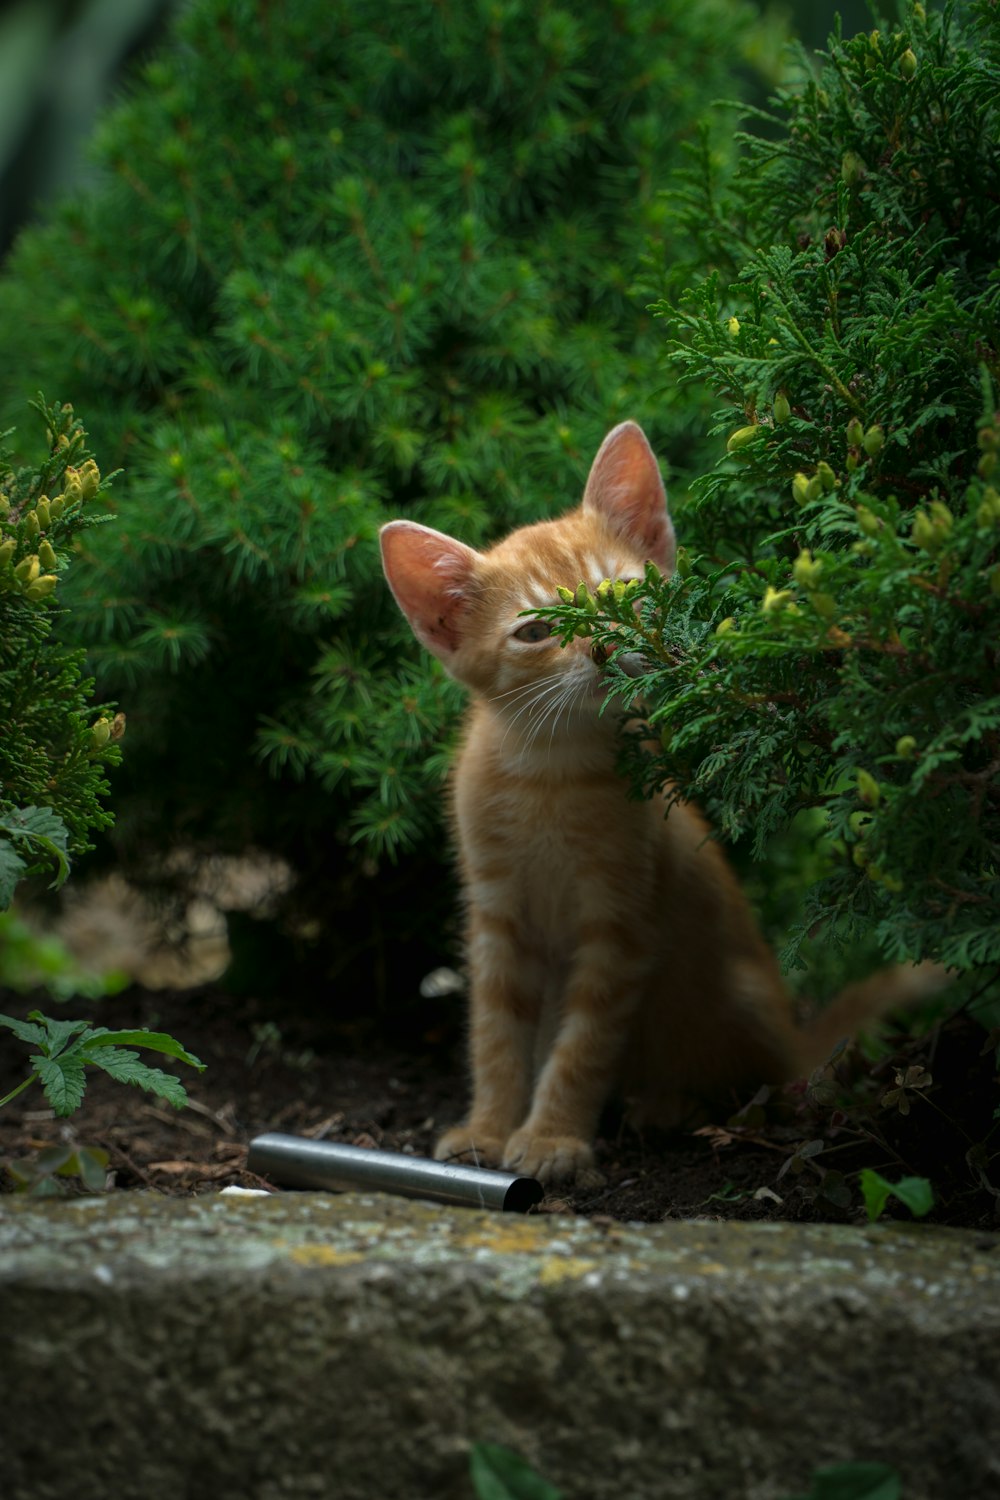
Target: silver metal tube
<point>295,1161</point>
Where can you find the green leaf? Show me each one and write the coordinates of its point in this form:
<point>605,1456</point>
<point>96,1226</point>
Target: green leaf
<point>156,1041</point>
<point>25,1031</point>
<point>53,1160</point>
<point>63,1079</point>
<point>856,1481</point>
<point>57,1033</point>
<point>499,1474</point>
<point>915,1193</point>
<point>92,1165</point>
<point>12,870</point>
<point>44,831</point>
<point>128,1067</point>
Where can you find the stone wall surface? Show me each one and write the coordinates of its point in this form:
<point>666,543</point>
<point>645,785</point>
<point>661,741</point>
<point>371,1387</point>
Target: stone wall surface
<point>353,1347</point>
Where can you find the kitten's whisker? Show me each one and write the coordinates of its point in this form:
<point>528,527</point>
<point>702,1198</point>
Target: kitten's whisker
<point>527,687</point>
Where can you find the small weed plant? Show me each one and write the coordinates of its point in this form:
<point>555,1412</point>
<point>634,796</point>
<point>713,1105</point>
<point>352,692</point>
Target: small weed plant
<point>65,1049</point>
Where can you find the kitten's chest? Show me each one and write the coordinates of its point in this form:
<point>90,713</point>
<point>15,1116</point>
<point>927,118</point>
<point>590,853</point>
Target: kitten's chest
<point>548,855</point>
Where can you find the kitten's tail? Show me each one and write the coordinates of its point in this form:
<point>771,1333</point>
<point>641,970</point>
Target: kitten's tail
<point>859,1005</point>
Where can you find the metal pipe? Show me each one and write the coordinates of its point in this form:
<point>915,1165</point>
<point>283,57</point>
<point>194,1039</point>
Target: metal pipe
<point>295,1161</point>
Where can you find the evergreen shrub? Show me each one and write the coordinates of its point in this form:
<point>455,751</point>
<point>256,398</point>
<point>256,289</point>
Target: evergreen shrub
<point>55,742</point>
<point>349,260</point>
<point>826,658</point>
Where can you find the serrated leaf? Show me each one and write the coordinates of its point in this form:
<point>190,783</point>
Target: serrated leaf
<point>128,1067</point>
<point>156,1041</point>
<point>25,1031</point>
<point>63,1079</point>
<point>500,1474</point>
<point>43,830</point>
<point>12,871</point>
<point>58,1034</point>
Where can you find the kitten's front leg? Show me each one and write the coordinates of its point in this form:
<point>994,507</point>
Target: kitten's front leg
<point>601,996</point>
<point>504,1018</point>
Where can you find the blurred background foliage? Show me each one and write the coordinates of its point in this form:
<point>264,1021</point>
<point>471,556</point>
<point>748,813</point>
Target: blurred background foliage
<point>63,61</point>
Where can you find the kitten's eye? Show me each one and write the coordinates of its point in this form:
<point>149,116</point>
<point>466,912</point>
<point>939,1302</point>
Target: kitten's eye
<point>533,630</point>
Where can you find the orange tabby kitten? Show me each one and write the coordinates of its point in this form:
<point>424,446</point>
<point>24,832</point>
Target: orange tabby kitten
<point>610,948</point>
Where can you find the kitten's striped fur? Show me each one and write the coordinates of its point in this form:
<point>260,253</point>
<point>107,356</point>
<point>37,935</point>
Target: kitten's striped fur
<point>610,949</point>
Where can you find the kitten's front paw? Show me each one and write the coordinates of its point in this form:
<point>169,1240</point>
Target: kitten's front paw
<point>550,1158</point>
<point>472,1146</point>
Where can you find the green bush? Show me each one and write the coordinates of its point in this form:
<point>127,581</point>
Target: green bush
<point>826,658</point>
<point>349,260</point>
<point>54,742</point>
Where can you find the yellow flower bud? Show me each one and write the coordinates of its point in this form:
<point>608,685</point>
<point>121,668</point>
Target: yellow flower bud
<point>100,733</point>
<point>733,327</point>
<point>855,433</point>
<point>56,506</point>
<point>7,550</point>
<point>741,437</point>
<point>28,569</point>
<point>908,63</point>
<point>90,478</point>
<point>774,599</point>
<point>925,533</point>
<point>31,523</point>
<point>942,517</point>
<point>800,488</point>
<point>852,168</point>
<point>566,595</point>
<point>41,588</point>
<point>868,521</point>
<point>42,512</point>
<point>868,789</point>
<point>72,488</point>
<point>725,626</point>
<point>905,746</point>
<point>873,441</point>
<point>826,476</point>
<point>781,408</point>
<point>805,570</point>
<point>47,555</point>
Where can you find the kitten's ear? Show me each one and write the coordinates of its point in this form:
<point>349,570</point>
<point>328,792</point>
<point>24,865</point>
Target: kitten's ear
<point>429,574</point>
<point>625,487</point>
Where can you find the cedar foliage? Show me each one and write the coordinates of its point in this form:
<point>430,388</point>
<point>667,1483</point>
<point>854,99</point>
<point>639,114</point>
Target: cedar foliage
<point>826,658</point>
<point>349,261</point>
<point>55,743</point>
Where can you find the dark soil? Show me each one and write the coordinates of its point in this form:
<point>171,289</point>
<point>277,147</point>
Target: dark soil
<point>397,1085</point>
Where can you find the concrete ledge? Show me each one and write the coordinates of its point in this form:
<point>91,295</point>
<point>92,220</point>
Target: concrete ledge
<point>353,1347</point>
